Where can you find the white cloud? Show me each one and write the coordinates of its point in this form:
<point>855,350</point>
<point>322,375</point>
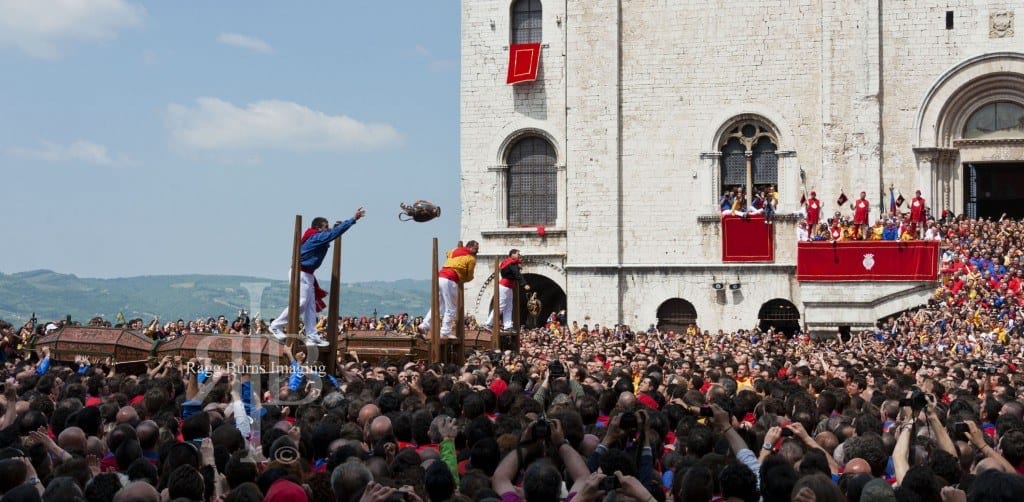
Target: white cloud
<point>79,151</point>
<point>40,28</point>
<point>436,65</point>
<point>245,42</point>
<point>216,125</point>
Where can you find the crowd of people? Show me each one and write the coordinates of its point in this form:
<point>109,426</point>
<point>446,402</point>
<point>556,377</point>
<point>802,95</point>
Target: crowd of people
<point>927,406</point>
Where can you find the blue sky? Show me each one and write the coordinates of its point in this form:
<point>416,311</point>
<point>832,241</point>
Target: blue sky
<point>145,138</point>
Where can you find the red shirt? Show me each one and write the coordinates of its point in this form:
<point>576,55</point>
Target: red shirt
<point>917,209</point>
<point>860,212</point>
<point>813,211</point>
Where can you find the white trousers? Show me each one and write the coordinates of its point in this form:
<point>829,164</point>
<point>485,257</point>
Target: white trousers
<point>504,306</point>
<point>447,304</point>
<point>307,306</point>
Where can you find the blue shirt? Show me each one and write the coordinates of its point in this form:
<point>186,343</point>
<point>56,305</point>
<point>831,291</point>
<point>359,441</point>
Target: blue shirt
<point>315,248</point>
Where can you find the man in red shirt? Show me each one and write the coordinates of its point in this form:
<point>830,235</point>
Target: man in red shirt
<point>813,212</point>
<point>511,275</point>
<point>918,213</point>
<point>860,215</point>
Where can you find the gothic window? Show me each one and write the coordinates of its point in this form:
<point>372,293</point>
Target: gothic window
<point>999,120</point>
<point>532,183</point>
<point>749,162</point>
<point>526,21</point>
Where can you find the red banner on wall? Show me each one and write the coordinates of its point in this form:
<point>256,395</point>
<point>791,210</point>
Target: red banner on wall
<point>867,261</point>
<point>747,239</point>
<point>523,63</point>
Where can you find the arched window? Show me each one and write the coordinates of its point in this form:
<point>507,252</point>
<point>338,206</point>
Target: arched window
<point>749,161</point>
<point>676,314</point>
<point>526,21</point>
<point>999,120</point>
<point>532,183</point>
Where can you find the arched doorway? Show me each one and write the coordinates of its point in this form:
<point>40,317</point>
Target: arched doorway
<point>676,314</point>
<point>970,138</point>
<point>550,294</point>
<point>779,314</point>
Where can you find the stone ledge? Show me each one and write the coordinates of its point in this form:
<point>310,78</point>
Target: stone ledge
<point>523,232</point>
<point>717,218</point>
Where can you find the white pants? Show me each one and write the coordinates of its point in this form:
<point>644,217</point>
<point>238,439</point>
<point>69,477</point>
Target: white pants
<point>504,306</point>
<point>447,303</point>
<point>307,306</point>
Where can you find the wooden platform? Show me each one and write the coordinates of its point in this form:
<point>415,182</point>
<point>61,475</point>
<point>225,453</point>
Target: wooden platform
<point>127,345</point>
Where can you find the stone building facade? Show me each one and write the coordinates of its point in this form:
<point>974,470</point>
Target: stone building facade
<point>619,149</point>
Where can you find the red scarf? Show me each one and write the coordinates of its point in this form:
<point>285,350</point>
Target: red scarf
<point>320,293</point>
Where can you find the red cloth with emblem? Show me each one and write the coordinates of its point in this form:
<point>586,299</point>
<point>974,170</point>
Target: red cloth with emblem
<point>813,212</point>
<point>523,63</point>
<point>917,210</point>
<point>867,261</point>
<point>860,212</point>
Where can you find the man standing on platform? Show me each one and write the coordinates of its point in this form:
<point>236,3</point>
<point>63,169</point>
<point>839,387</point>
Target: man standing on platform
<point>813,211</point>
<point>511,275</point>
<point>918,214</point>
<point>315,242</point>
<point>457,269</point>
<point>860,215</point>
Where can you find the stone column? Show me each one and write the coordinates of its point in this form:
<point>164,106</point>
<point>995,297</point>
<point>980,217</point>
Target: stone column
<point>501,196</point>
<point>711,169</point>
<point>789,182</point>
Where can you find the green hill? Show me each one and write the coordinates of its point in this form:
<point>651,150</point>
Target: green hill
<point>53,296</point>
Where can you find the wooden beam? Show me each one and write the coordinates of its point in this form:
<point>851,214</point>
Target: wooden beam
<point>296,281</point>
<point>435,318</point>
<point>460,324</point>
<point>333,306</point>
<point>495,304</point>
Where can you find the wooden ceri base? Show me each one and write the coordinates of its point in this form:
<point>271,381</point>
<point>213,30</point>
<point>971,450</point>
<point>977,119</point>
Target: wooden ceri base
<point>125,346</point>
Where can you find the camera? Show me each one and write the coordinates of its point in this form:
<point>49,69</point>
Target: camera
<point>628,421</point>
<point>541,429</point>
<point>706,411</point>
<point>916,400</point>
<point>556,369</point>
<point>960,428</point>
<point>609,483</point>
<point>787,432</point>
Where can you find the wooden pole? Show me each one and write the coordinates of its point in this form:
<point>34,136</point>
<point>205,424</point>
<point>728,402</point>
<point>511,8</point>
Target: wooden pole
<point>435,319</point>
<point>495,305</point>
<point>460,324</point>
<point>293,292</point>
<point>333,305</point>
<point>516,310</point>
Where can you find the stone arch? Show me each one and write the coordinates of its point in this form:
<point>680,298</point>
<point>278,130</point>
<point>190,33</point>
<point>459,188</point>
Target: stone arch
<point>676,314</point>
<point>974,81</point>
<point>532,266</point>
<point>945,160</point>
<point>781,314</point>
<point>514,136</point>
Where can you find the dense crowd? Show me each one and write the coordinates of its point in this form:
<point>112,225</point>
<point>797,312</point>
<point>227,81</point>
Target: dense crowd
<point>926,406</point>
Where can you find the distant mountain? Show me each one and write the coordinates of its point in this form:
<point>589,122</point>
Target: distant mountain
<point>53,296</point>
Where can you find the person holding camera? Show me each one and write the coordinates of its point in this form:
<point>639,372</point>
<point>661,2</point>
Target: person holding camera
<point>542,481</point>
<point>315,242</point>
<point>511,275</point>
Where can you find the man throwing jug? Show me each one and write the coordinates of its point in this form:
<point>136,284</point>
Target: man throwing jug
<point>315,243</point>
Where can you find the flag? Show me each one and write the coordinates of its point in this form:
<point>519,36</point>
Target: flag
<point>892,203</point>
<point>842,199</point>
<point>899,200</point>
<point>803,199</point>
<point>523,63</point>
